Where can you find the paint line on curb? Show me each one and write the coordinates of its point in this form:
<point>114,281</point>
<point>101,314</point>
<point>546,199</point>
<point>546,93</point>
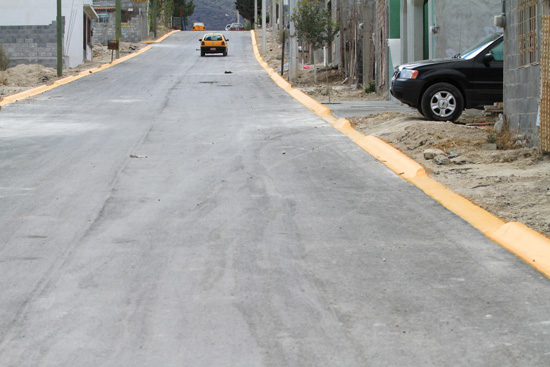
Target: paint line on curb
<point>524,242</point>
<point>163,37</point>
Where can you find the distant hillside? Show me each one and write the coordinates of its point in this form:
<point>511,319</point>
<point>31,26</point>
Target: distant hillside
<point>213,13</point>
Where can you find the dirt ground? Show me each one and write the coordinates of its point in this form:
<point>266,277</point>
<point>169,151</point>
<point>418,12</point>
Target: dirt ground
<point>512,182</point>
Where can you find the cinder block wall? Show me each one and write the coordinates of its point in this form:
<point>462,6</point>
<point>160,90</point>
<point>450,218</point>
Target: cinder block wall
<point>521,83</point>
<point>134,31</point>
<point>30,44</point>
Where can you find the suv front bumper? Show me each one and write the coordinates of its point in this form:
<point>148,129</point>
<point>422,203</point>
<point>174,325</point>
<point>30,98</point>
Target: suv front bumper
<point>408,91</point>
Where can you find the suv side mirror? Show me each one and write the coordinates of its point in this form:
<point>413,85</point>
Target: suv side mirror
<point>488,58</point>
<point>200,39</point>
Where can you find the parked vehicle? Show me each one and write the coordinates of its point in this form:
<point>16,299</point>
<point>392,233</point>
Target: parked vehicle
<point>227,27</point>
<point>197,26</point>
<point>441,89</point>
<point>236,27</point>
<point>213,43</point>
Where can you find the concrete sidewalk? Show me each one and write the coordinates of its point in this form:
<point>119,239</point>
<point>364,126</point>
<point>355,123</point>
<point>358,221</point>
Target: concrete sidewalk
<point>347,109</point>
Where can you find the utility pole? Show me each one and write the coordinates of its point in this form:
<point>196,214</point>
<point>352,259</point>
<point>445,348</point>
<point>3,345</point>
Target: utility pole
<point>283,27</point>
<point>274,19</point>
<point>59,41</point>
<point>281,23</point>
<point>255,14</point>
<point>293,54</point>
<point>118,28</point>
<point>264,25</point>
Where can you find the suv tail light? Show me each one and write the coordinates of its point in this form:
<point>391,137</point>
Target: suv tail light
<point>223,43</point>
<point>202,43</point>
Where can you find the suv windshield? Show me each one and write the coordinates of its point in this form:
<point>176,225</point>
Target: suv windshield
<point>474,51</point>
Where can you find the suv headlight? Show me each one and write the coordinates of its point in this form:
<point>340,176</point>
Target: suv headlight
<point>408,74</point>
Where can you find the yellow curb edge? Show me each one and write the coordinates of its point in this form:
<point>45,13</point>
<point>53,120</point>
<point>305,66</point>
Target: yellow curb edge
<point>163,37</point>
<point>524,242</point>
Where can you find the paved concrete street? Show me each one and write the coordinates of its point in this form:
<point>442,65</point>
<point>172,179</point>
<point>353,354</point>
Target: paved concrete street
<point>175,210</point>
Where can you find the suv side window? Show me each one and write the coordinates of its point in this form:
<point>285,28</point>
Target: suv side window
<point>498,52</point>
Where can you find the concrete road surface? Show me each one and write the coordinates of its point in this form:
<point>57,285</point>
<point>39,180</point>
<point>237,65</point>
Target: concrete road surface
<point>166,212</point>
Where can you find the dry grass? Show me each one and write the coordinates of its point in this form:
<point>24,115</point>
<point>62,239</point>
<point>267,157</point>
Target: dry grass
<point>449,145</point>
<point>505,140</point>
<point>4,59</point>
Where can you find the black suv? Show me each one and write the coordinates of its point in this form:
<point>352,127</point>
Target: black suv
<point>442,89</point>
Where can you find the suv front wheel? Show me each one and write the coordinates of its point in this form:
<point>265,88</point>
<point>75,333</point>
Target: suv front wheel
<point>442,102</point>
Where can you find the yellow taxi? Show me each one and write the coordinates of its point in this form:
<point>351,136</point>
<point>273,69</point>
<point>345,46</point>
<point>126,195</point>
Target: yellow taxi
<point>198,26</point>
<point>214,43</point>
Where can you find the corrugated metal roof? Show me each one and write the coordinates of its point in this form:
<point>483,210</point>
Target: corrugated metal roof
<point>104,7</point>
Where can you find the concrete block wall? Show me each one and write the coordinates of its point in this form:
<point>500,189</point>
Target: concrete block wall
<point>133,31</point>
<point>134,27</point>
<point>30,44</point>
<point>521,83</point>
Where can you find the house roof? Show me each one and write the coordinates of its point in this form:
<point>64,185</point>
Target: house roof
<point>90,12</point>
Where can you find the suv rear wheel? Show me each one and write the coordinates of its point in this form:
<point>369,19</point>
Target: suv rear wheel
<point>442,102</point>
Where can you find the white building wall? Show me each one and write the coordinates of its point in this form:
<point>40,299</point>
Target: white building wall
<point>44,12</point>
<point>463,24</point>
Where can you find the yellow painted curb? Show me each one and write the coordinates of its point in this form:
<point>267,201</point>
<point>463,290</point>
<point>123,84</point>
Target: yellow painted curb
<point>312,104</point>
<point>43,88</point>
<point>385,153</point>
<point>163,37</point>
<point>529,245</point>
<point>478,217</point>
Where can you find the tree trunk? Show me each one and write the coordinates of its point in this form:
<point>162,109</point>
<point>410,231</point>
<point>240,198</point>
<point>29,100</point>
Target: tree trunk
<point>314,67</point>
<point>328,85</point>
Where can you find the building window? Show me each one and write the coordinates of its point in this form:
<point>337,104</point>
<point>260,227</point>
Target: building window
<point>527,32</point>
<point>103,18</point>
<point>126,16</point>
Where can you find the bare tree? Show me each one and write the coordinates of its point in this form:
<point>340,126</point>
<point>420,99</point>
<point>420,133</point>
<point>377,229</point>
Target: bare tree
<point>314,26</point>
<point>154,12</point>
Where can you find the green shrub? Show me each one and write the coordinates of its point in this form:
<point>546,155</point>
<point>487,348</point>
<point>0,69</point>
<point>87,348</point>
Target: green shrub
<point>491,138</point>
<point>280,35</point>
<point>371,88</point>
